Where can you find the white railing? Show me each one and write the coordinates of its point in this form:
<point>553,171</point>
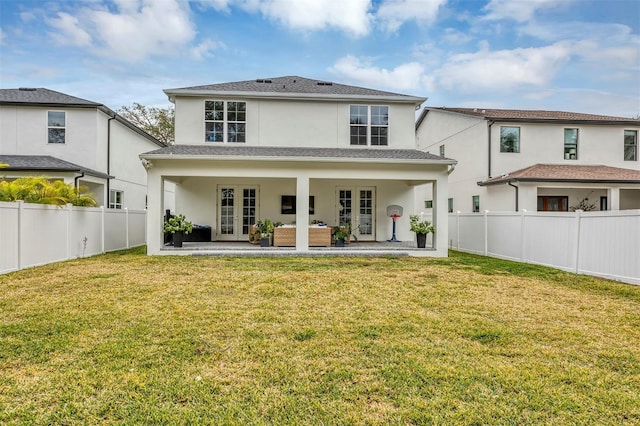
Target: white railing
<point>36,234</point>
<point>603,243</point>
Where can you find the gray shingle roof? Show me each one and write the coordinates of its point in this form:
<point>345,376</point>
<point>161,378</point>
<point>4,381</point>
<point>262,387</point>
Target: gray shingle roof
<point>567,173</point>
<point>41,96</point>
<point>44,163</point>
<point>293,85</point>
<point>286,153</point>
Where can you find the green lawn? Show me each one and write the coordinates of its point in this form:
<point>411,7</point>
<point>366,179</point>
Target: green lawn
<point>129,339</point>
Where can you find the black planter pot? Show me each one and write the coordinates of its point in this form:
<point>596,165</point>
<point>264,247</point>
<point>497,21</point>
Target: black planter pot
<point>178,237</point>
<point>265,242</point>
<point>340,243</point>
<point>422,240</point>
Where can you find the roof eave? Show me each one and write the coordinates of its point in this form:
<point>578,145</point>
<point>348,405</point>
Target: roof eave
<point>171,93</point>
<point>547,180</point>
<point>295,159</point>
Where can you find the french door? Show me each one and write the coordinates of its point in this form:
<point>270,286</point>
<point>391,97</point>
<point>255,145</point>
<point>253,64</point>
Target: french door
<point>357,206</point>
<point>237,211</point>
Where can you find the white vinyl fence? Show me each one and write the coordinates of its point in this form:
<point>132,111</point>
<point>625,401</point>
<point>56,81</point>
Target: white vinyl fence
<point>36,234</point>
<point>603,243</point>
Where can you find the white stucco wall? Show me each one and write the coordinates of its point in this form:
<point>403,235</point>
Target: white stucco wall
<point>294,123</point>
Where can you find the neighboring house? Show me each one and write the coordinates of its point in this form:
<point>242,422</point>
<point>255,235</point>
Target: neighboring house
<point>294,150</point>
<point>52,134</point>
<point>534,160</point>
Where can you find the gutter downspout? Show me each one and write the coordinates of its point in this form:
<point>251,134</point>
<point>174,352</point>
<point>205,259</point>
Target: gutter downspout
<point>76,180</point>
<point>489,124</point>
<point>516,187</point>
<point>109,157</point>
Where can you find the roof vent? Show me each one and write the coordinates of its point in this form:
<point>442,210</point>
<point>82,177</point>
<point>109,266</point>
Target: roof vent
<point>325,83</point>
<point>263,80</point>
<point>28,89</point>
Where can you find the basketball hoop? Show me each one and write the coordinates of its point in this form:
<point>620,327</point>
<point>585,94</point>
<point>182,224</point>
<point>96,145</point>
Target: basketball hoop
<point>394,212</point>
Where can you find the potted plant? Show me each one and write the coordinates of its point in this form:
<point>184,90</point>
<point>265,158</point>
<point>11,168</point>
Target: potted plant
<point>265,227</point>
<point>340,235</point>
<point>178,226</point>
<point>421,228</point>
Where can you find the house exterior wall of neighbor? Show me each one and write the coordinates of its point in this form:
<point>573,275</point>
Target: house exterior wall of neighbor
<point>296,123</point>
<point>96,143</point>
<point>23,131</point>
<point>466,139</point>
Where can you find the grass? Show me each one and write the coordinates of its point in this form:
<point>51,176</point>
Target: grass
<point>129,339</point>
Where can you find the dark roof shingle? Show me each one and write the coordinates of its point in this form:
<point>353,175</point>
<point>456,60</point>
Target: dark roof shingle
<point>41,96</point>
<point>285,152</point>
<point>289,85</point>
<point>45,163</point>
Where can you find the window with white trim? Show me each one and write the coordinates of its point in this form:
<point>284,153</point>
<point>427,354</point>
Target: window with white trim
<point>225,121</point>
<point>369,125</point>
<point>56,126</point>
<point>630,145</point>
<point>441,150</point>
<point>116,198</point>
<point>509,139</point>
<point>570,144</point>
<point>450,205</point>
<point>475,201</point>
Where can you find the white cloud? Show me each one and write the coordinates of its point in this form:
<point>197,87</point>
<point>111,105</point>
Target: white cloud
<point>68,30</point>
<point>407,76</point>
<point>204,49</point>
<point>393,13</point>
<point>351,16</point>
<point>519,10</point>
<point>504,69</point>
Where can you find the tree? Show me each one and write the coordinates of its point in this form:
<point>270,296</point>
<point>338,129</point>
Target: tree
<point>158,122</point>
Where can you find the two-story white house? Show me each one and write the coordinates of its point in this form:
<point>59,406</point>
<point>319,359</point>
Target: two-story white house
<point>52,134</point>
<point>534,160</point>
<point>297,151</point>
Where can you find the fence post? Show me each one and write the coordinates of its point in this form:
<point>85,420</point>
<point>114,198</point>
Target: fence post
<point>126,224</point>
<point>20,232</point>
<point>578,220</point>
<point>523,234</point>
<point>486,233</point>
<point>68,249</point>
<point>458,230</point>
<point>102,214</point>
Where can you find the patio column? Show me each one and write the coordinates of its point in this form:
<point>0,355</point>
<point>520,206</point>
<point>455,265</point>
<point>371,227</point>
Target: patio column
<point>302,213</point>
<point>441,215</point>
<point>155,214</point>
<point>613,195</point>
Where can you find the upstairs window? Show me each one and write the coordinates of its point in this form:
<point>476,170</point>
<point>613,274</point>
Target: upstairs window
<point>570,144</point>
<point>56,126</point>
<point>441,150</point>
<point>630,145</point>
<point>509,139</point>
<point>225,121</point>
<point>369,125</point>
<point>450,205</point>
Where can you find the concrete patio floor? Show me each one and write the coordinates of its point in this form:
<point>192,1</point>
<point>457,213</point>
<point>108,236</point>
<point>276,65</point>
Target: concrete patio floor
<point>241,248</point>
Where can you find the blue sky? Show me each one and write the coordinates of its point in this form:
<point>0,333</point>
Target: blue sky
<point>571,55</point>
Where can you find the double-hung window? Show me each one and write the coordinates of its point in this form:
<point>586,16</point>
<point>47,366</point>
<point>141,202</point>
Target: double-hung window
<point>509,139</point>
<point>56,126</point>
<point>630,145</point>
<point>475,203</point>
<point>225,121</point>
<point>570,144</point>
<point>369,125</point>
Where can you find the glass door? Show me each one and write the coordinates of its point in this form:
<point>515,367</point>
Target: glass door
<point>356,206</point>
<point>237,211</point>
